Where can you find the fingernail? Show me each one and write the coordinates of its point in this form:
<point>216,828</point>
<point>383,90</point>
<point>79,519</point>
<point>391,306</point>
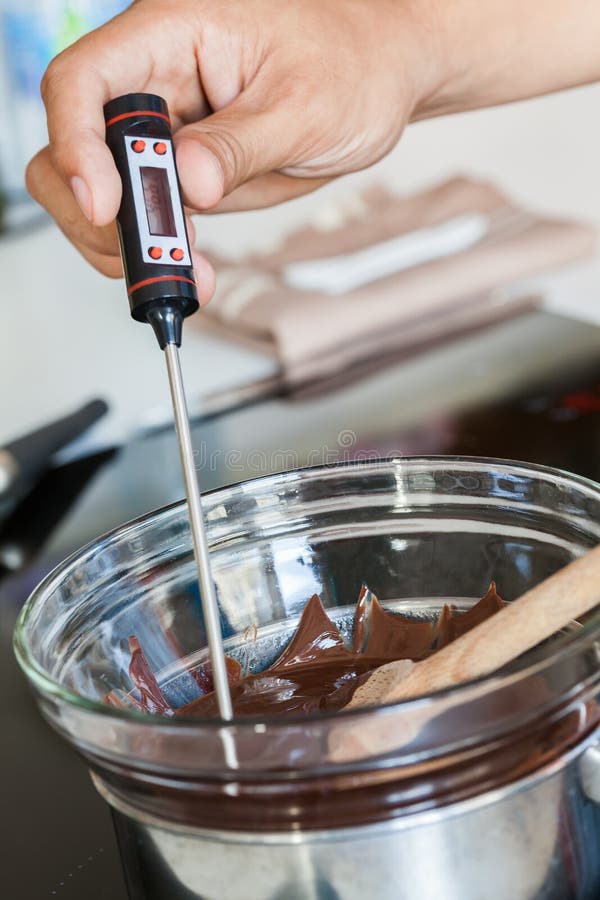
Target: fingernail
<point>83,196</point>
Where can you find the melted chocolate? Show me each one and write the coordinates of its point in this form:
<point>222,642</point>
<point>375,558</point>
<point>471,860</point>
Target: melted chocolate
<point>266,798</point>
<point>151,697</point>
<point>316,671</point>
<point>450,626</point>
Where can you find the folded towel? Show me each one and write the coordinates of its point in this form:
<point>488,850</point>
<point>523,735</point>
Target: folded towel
<point>378,275</point>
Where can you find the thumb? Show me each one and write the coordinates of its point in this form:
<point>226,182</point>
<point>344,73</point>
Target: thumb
<point>232,146</point>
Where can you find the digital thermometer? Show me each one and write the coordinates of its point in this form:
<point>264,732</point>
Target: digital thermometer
<point>151,223</point>
<point>162,291</point>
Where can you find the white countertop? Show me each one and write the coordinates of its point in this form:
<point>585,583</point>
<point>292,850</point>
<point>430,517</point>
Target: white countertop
<point>66,333</point>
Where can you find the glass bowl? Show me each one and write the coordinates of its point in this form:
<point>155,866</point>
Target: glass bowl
<point>419,532</point>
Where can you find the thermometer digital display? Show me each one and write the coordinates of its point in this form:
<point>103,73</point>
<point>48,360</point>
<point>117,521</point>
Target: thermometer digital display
<point>157,198</point>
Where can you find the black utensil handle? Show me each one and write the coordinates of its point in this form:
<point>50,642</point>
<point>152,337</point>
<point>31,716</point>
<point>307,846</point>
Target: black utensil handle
<point>24,460</point>
<point>36,516</point>
<point>32,452</point>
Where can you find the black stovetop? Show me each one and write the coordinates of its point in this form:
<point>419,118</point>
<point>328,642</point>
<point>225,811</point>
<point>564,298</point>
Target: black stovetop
<point>57,838</point>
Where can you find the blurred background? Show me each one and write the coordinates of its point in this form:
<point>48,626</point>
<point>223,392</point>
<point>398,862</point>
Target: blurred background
<point>444,301</point>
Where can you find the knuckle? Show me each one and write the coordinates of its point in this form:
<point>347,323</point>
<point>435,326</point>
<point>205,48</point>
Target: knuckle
<point>65,158</point>
<point>298,88</point>
<point>46,83</point>
<point>239,155</point>
<point>235,156</point>
<point>33,176</point>
<point>60,158</point>
<point>102,241</point>
<point>54,76</point>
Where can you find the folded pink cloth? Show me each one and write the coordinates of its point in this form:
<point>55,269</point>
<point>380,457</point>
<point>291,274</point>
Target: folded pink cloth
<point>384,274</point>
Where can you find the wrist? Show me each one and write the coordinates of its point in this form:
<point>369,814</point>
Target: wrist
<point>470,46</point>
<point>416,34</point>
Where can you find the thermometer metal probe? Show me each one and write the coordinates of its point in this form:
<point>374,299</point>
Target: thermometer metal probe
<point>162,291</point>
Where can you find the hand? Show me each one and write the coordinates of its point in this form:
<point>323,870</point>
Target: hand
<point>271,98</point>
<point>268,100</point>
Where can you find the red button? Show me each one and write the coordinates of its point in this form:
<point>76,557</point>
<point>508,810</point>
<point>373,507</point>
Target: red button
<point>160,148</point>
<point>138,146</point>
<point>155,252</point>
<point>177,254</point>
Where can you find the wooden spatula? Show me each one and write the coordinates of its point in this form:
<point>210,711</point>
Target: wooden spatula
<point>521,625</point>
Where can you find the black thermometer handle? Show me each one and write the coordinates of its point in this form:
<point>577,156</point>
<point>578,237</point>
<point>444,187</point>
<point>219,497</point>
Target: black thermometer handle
<point>151,223</point>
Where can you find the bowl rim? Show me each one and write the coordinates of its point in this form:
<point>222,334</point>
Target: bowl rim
<point>464,691</point>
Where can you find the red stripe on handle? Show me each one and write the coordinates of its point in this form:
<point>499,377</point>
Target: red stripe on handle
<point>139,112</point>
<point>141,284</point>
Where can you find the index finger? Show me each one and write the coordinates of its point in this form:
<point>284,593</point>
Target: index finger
<point>77,84</point>
<point>74,95</point>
